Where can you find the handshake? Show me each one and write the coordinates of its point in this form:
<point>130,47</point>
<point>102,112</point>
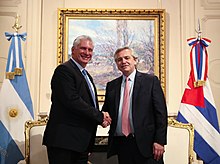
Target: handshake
<point>106,119</point>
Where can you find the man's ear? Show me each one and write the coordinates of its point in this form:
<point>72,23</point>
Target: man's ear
<point>72,49</point>
<point>136,61</point>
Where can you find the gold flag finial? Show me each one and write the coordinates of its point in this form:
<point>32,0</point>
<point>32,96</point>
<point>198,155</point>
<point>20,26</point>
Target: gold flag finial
<point>16,25</point>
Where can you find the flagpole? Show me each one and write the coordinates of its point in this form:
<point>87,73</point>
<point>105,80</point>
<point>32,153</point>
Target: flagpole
<point>17,71</point>
<point>15,100</point>
<point>199,82</point>
<point>197,104</point>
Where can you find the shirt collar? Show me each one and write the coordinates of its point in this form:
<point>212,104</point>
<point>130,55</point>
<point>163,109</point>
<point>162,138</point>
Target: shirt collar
<point>131,76</point>
<point>78,65</point>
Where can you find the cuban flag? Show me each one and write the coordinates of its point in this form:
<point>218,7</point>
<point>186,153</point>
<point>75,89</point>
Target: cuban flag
<point>15,104</point>
<point>198,107</point>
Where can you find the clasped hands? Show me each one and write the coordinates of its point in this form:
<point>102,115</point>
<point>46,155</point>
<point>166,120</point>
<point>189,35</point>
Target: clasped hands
<point>106,119</point>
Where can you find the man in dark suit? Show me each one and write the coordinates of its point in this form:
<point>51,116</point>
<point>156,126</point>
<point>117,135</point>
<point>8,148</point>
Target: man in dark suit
<point>137,136</point>
<point>74,115</point>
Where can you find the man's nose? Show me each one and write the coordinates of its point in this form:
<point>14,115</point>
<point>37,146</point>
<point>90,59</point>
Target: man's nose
<point>123,60</point>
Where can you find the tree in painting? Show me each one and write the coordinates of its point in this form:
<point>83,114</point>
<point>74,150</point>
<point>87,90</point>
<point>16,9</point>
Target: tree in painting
<point>108,35</point>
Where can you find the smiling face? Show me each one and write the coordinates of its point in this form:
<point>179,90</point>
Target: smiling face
<point>125,61</point>
<point>82,53</point>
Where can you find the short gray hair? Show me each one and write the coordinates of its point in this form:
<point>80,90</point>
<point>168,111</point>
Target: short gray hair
<point>77,41</point>
<point>125,48</point>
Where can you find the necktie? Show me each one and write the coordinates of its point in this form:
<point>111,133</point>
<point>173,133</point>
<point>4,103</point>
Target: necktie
<point>126,128</point>
<point>89,84</point>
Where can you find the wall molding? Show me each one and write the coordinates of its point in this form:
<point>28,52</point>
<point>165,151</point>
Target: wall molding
<point>10,3</point>
<point>210,4</point>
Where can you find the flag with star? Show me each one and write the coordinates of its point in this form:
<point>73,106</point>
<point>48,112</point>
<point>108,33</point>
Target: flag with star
<point>198,106</point>
<point>15,104</point>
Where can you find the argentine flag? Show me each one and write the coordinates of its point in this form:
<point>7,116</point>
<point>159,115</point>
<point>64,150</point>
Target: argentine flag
<point>15,104</point>
<point>198,107</point>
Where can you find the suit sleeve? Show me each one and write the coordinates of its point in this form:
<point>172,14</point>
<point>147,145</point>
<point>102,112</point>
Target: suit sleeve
<point>160,112</point>
<point>105,107</point>
<point>70,91</point>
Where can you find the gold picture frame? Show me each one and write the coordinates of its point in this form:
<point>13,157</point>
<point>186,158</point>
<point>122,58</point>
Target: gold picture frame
<point>142,29</point>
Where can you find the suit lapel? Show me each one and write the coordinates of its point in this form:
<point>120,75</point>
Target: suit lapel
<point>91,79</point>
<point>87,87</point>
<point>137,86</point>
<point>74,66</point>
<point>117,94</point>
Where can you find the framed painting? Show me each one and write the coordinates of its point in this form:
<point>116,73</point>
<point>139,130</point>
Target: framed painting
<point>142,30</point>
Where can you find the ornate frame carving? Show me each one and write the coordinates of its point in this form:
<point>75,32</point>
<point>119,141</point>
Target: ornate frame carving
<point>102,141</point>
<point>174,123</point>
<point>65,15</point>
<point>28,125</point>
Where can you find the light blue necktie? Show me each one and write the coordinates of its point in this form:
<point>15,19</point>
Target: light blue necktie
<point>89,84</point>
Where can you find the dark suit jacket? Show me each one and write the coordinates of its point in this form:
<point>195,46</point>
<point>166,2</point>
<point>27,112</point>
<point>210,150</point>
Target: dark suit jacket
<point>73,119</point>
<point>149,112</point>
